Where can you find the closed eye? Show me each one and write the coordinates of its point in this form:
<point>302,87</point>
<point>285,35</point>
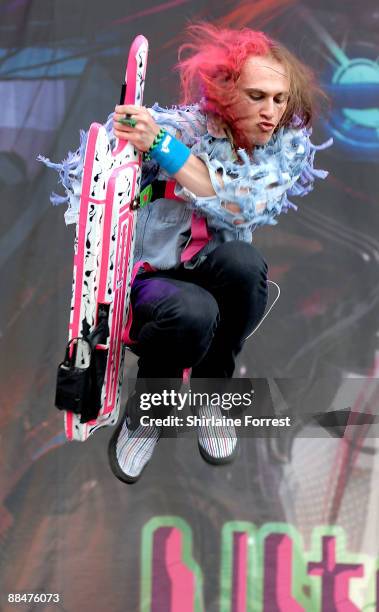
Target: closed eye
<point>259,96</point>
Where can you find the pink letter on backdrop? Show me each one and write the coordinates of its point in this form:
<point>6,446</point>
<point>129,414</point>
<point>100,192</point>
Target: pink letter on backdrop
<point>335,578</point>
<point>278,572</point>
<point>173,582</point>
<point>239,576</point>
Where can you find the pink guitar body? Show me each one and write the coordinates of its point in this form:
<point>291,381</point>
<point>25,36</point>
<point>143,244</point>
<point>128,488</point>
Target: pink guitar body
<point>104,246</point>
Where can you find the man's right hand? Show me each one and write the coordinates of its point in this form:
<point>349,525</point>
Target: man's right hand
<point>143,134</point>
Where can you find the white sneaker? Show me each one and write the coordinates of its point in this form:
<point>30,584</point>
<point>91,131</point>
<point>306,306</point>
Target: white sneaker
<point>217,444</point>
<point>130,450</point>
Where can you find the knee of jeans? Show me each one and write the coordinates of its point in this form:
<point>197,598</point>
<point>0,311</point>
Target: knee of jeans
<point>197,318</point>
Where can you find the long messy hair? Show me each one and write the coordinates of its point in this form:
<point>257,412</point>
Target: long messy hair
<point>210,65</point>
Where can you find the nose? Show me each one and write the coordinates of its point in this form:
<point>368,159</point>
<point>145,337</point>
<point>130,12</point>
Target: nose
<point>267,109</point>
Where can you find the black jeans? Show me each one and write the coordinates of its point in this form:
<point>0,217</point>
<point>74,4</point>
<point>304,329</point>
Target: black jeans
<point>198,318</point>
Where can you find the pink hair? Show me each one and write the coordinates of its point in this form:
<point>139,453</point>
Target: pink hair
<point>215,64</point>
<point>215,59</point>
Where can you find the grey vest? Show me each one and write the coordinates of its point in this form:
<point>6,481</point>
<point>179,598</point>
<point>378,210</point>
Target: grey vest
<point>164,229</point>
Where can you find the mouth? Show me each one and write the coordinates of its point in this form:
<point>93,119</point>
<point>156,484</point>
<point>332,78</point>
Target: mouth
<point>265,126</point>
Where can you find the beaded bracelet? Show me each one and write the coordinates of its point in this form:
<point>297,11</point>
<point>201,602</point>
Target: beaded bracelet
<point>157,139</point>
<point>155,143</point>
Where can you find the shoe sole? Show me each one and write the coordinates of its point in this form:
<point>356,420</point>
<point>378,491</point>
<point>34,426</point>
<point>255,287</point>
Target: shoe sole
<point>112,458</point>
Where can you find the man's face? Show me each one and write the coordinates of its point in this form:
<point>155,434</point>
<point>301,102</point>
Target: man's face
<point>264,88</point>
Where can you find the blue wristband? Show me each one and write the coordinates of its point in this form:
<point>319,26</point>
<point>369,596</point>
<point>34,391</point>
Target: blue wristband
<point>170,153</point>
